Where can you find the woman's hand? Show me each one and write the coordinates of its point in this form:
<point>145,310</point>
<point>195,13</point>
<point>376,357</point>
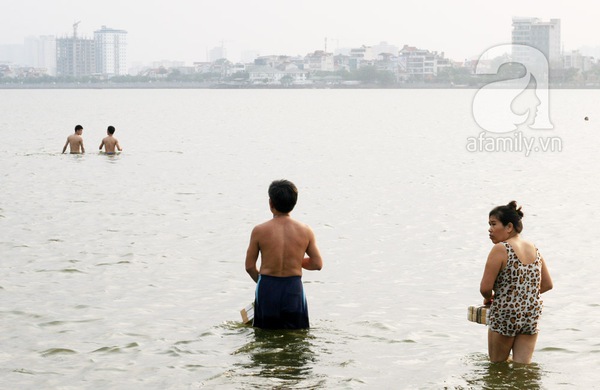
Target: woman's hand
<point>488,301</point>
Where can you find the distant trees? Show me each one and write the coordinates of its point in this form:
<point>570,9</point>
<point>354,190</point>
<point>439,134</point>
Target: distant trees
<point>455,76</point>
<point>367,76</point>
<point>371,75</point>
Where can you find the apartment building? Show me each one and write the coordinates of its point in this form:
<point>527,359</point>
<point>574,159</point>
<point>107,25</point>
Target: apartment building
<point>420,64</point>
<point>110,51</point>
<point>319,61</point>
<point>576,60</point>
<point>544,36</point>
<point>75,57</point>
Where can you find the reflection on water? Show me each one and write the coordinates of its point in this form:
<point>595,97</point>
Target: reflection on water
<point>284,358</point>
<point>506,375</point>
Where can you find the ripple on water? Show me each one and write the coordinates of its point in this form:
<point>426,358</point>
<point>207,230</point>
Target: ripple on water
<point>115,263</point>
<point>24,314</point>
<point>58,323</point>
<point>556,349</point>
<point>116,349</point>
<point>33,372</point>
<point>64,270</point>
<point>58,351</point>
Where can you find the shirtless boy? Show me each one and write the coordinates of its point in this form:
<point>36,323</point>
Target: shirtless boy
<point>75,141</point>
<point>109,142</point>
<point>282,243</point>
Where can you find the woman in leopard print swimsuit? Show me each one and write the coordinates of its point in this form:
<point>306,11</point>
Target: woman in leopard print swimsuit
<point>514,277</point>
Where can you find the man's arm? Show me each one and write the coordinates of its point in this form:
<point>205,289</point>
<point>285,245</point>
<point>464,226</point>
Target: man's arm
<point>313,262</point>
<point>101,144</point>
<point>81,144</point>
<point>118,146</point>
<point>66,143</point>
<point>252,256</point>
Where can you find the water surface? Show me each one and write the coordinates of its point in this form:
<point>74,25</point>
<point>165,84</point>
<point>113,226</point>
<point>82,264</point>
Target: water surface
<point>127,271</point>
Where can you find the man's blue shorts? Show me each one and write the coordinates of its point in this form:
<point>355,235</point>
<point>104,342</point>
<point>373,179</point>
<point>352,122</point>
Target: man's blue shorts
<point>280,303</point>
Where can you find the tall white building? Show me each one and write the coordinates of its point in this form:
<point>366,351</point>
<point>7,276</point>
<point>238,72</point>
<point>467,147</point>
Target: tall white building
<point>111,51</point>
<point>40,52</point>
<point>544,36</point>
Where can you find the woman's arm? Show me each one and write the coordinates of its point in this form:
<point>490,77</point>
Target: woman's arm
<point>495,262</point>
<point>546,282</point>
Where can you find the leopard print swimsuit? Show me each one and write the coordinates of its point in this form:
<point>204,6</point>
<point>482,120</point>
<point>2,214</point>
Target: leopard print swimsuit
<point>517,305</point>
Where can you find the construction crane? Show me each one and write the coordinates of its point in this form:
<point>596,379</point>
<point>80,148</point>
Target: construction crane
<point>74,48</point>
<point>75,28</point>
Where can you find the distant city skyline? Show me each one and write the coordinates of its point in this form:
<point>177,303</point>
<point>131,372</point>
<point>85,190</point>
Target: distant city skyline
<point>187,31</point>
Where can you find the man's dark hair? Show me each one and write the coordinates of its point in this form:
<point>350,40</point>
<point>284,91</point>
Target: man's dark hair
<point>111,129</point>
<point>78,127</point>
<point>283,195</point>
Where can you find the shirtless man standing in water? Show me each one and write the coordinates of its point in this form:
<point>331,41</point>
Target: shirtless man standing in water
<point>110,142</point>
<point>282,243</point>
<point>75,141</point>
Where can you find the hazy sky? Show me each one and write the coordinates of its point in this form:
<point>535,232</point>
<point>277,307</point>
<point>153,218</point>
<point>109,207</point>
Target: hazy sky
<point>185,30</point>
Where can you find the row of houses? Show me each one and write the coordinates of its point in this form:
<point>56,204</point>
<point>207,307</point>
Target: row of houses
<point>21,72</point>
<point>409,63</point>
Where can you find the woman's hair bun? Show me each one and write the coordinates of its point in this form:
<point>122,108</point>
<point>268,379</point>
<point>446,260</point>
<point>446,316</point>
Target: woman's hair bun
<point>513,205</point>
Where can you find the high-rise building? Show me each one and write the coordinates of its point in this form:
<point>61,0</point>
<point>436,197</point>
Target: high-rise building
<point>40,52</point>
<point>12,54</point>
<point>544,36</point>
<point>75,57</point>
<point>111,51</point>
<point>217,53</point>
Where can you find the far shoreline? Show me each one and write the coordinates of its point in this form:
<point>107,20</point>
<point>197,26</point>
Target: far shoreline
<point>194,85</point>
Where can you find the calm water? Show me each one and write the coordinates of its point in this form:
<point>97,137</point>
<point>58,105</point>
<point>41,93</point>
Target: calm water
<point>127,271</point>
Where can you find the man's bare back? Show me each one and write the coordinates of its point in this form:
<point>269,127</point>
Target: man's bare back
<point>282,243</point>
<point>75,142</point>
<point>110,144</point>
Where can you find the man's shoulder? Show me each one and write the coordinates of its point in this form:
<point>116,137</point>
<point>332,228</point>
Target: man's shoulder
<point>273,223</point>
<point>264,225</point>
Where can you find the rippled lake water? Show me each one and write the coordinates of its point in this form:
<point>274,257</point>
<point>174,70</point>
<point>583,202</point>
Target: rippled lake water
<point>127,271</point>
